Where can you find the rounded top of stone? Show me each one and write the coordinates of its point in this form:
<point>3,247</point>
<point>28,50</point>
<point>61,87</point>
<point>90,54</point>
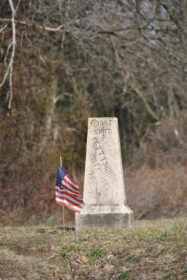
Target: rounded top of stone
<point>102,118</point>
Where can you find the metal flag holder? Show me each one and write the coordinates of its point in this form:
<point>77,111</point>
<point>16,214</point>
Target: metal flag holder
<point>62,205</point>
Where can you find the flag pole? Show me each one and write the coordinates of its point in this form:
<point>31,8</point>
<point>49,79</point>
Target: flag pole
<point>60,161</point>
<point>62,205</point>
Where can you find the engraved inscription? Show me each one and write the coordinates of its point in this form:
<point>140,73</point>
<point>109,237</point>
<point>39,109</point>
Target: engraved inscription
<point>103,131</point>
<point>101,127</point>
<point>103,177</point>
<point>101,123</point>
<point>100,160</point>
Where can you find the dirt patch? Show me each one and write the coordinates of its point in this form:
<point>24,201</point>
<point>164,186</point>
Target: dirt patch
<point>10,269</point>
<point>27,248</point>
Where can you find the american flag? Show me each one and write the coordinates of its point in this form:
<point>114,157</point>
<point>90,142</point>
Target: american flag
<point>67,191</point>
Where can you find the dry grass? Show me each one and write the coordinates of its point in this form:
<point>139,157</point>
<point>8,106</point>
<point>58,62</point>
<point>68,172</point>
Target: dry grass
<point>150,250</point>
<point>157,192</point>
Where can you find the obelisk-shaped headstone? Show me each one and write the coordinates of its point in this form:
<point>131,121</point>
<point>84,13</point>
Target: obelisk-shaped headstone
<point>104,191</point>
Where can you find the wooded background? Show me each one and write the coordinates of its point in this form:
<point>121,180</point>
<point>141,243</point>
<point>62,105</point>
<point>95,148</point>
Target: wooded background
<point>63,61</point>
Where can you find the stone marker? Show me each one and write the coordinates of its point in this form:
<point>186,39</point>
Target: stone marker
<point>104,190</point>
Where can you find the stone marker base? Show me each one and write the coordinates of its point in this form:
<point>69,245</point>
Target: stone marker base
<point>108,221</point>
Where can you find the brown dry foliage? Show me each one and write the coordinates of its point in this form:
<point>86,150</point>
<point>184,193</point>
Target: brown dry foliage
<point>161,192</point>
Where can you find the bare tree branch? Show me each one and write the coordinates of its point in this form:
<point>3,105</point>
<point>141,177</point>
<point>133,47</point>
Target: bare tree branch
<point>13,52</point>
<point>12,46</point>
<point>1,30</point>
<point>59,28</point>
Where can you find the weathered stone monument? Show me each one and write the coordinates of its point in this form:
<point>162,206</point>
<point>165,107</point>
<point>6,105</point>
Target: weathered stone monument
<point>104,191</point>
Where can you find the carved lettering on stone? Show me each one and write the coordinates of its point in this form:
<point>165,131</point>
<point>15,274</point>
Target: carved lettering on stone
<point>104,190</point>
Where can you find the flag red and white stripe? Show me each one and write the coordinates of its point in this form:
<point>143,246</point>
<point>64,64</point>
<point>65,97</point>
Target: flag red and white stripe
<point>67,192</point>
